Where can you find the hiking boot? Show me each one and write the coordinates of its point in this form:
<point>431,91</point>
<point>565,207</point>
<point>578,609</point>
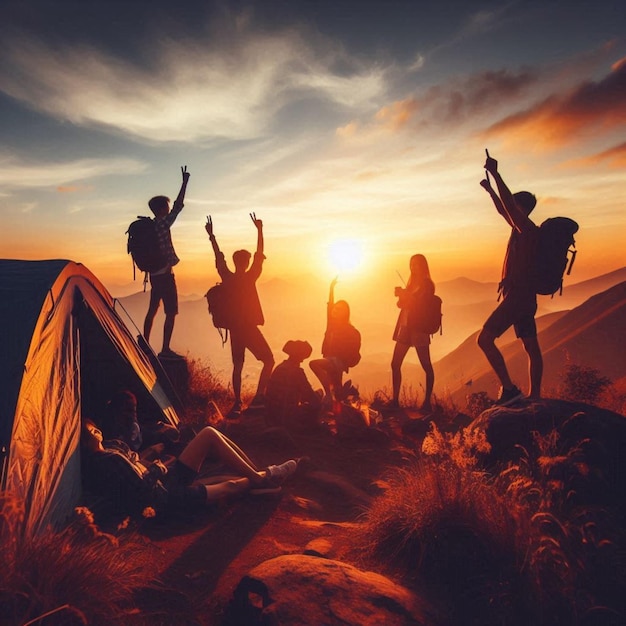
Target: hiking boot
<point>278,473</point>
<point>235,412</point>
<point>170,354</point>
<point>508,396</point>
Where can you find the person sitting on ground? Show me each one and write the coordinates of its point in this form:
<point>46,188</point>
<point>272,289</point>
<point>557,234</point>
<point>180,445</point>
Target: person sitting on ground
<point>419,286</point>
<point>113,470</point>
<point>120,420</point>
<point>290,399</point>
<point>152,439</point>
<point>247,314</point>
<point>340,348</point>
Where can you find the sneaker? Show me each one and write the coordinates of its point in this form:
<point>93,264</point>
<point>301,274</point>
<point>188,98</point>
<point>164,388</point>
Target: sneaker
<point>170,354</point>
<point>508,396</point>
<point>280,472</point>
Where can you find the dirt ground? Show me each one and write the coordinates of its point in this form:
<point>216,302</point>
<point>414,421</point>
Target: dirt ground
<point>201,559</point>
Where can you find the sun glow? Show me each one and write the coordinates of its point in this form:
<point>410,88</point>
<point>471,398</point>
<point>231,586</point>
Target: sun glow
<point>346,256</point>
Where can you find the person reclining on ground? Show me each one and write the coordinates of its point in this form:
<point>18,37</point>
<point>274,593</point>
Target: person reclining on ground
<point>113,470</point>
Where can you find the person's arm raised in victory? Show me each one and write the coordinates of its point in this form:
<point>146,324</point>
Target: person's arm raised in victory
<point>179,203</point>
<point>259,228</point>
<point>209,229</point>
<point>513,214</point>
<point>485,183</point>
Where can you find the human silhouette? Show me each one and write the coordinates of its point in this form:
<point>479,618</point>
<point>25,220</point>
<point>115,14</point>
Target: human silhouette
<point>247,314</point>
<point>291,401</point>
<point>406,335</point>
<point>162,281</point>
<point>118,473</point>
<point>340,348</point>
<point>519,300</point>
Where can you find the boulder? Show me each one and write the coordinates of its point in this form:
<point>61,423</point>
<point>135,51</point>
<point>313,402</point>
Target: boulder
<point>304,590</point>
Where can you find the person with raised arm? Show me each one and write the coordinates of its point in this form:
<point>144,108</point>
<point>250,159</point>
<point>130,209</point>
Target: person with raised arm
<point>162,281</point>
<point>340,348</point>
<point>247,314</point>
<point>519,299</point>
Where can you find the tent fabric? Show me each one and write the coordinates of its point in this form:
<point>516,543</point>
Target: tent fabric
<point>65,350</point>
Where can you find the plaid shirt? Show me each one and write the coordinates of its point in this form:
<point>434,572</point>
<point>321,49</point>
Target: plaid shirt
<point>163,225</point>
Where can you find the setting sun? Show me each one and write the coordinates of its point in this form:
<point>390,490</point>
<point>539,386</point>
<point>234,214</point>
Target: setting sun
<point>346,255</point>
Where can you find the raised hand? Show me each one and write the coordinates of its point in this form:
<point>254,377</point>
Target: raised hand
<point>209,226</point>
<point>486,185</point>
<point>491,165</point>
<point>258,223</point>
<point>185,173</point>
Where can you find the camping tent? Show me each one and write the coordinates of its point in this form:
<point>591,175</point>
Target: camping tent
<point>65,351</point>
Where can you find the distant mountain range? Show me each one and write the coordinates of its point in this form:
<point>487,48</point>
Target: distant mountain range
<point>584,322</point>
<point>593,334</point>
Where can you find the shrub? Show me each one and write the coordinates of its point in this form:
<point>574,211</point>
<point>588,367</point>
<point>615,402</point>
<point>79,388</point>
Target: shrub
<point>79,575</point>
<point>583,384</point>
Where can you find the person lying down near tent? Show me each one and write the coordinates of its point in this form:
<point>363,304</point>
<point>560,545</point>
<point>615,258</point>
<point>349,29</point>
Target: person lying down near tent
<point>112,470</point>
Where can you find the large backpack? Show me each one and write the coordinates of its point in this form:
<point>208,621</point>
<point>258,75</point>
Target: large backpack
<point>555,248</point>
<point>220,309</point>
<point>143,245</point>
<point>425,316</point>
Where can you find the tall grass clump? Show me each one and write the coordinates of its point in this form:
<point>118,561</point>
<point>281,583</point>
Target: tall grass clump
<point>78,575</point>
<point>576,561</point>
<point>442,524</point>
<point>204,386</point>
<point>528,545</point>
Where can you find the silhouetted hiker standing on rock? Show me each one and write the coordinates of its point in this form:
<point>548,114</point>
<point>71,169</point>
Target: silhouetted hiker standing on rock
<point>246,312</point>
<point>519,299</point>
<point>162,280</point>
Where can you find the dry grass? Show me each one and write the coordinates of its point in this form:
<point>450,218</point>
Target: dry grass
<point>521,548</point>
<point>79,575</point>
<point>204,386</point>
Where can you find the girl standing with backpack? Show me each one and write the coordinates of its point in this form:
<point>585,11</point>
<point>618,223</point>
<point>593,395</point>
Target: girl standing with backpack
<point>407,334</point>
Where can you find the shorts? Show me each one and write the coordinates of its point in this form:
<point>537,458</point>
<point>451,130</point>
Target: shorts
<point>412,337</point>
<point>164,288</point>
<point>517,309</point>
<point>252,338</point>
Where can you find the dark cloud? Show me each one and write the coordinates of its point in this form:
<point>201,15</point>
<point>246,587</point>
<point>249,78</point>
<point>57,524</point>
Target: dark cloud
<point>477,94</point>
<point>559,119</point>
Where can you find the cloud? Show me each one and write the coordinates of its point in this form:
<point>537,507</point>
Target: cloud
<point>398,114</point>
<point>593,106</point>
<point>615,157</point>
<point>190,90</point>
<point>16,174</point>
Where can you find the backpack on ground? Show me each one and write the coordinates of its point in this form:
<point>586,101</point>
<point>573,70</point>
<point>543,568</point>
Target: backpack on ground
<point>220,309</point>
<point>425,316</point>
<point>143,245</point>
<point>555,249</point>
